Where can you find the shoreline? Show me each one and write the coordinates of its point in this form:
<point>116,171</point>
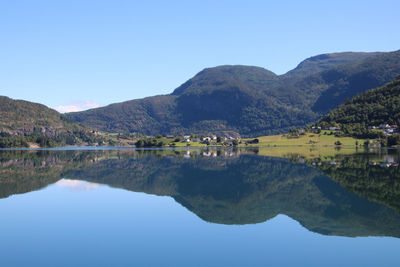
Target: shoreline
<point>66,148</point>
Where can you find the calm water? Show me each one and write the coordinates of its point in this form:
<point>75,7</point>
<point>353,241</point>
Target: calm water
<point>198,208</point>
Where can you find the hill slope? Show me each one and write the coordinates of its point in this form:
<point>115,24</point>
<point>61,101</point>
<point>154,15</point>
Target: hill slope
<point>372,108</point>
<point>23,121</point>
<point>351,79</point>
<point>250,100</point>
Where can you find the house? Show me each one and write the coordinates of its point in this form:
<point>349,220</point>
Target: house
<point>385,164</point>
<point>389,131</point>
<point>334,128</point>
<point>384,126</point>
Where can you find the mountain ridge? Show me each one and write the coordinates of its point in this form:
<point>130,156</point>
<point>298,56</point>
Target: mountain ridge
<point>247,99</point>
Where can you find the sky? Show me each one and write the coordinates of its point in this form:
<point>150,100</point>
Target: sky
<point>74,55</point>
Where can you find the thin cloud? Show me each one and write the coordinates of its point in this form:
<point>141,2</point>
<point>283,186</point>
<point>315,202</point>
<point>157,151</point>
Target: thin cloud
<point>77,106</point>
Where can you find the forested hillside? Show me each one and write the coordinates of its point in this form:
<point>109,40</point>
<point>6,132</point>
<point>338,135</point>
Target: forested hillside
<point>372,108</point>
<point>250,100</point>
<point>23,121</point>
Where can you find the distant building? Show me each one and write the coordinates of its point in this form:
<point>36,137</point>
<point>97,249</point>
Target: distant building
<point>388,131</point>
<point>384,126</point>
<point>334,128</point>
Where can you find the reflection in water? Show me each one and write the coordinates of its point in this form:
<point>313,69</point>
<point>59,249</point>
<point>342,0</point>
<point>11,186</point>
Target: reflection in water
<point>344,195</point>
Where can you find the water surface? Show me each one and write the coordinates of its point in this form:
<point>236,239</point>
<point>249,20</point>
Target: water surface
<point>199,208</point>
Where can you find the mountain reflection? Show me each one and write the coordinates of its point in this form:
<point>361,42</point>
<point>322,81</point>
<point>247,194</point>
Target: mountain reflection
<point>347,195</point>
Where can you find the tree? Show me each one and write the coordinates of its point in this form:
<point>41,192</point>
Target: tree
<point>293,132</point>
<point>140,143</point>
<point>393,140</point>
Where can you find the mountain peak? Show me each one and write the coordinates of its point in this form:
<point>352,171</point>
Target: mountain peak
<point>225,75</point>
<point>327,61</point>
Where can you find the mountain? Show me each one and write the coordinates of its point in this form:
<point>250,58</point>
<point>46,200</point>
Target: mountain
<point>249,100</point>
<point>351,79</point>
<point>23,121</point>
<point>325,62</point>
<point>371,108</point>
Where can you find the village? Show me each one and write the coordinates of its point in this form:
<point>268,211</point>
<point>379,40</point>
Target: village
<point>386,128</point>
<point>211,140</point>
<point>309,136</point>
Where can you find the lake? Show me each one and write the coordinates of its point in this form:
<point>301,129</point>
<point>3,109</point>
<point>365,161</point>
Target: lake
<point>216,207</point>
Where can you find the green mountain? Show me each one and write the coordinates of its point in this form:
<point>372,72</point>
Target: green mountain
<point>351,79</point>
<point>325,62</point>
<point>372,108</point>
<point>23,121</point>
<point>249,100</point>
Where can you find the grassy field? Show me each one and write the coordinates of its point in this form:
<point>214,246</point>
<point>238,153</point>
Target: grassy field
<point>324,139</point>
<point>308,139</point>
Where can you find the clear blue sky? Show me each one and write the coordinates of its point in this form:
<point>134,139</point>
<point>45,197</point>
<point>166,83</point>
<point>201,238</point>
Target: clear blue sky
<point>61,52</point>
